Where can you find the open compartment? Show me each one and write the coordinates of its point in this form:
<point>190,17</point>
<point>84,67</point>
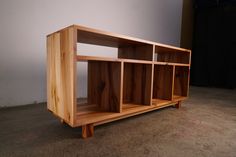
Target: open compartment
<point>103,88</point>
<point>181,82</point>
<point>137,84</point>
<point>139,52</point>
<point>106,46</point>
<point>163,54</point>
<point>162,84</point>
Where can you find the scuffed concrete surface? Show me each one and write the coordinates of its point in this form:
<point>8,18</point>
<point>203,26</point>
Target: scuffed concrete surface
<point>205,126</point>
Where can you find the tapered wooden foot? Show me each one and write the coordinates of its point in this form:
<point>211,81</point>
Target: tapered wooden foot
<point>178,105</point>
<point>87,130</point>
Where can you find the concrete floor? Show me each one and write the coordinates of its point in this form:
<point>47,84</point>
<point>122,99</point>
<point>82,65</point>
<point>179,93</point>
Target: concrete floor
<point>204,126</point>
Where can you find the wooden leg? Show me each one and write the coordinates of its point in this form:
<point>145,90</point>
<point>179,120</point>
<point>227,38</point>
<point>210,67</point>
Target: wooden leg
<point>178,105</point>
<point>87,130</point>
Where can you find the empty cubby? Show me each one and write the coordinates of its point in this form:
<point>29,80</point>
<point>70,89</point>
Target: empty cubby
<point>136,51</point>
<point>162,83</point>
<point>90,50</point>
<point>137,83</point>
<point>163,54</point>
<point>181,81</point>
<point>103,87</point>
<point>112,47</point>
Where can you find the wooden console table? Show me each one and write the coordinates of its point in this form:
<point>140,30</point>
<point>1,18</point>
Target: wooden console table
<point>144,76</point>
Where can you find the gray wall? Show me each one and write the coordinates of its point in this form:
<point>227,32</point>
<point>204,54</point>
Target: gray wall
<point>25,24</point>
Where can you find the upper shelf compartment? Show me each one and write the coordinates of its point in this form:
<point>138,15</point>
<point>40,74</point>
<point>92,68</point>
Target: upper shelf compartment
<point>123,46</point>
<point>103,38</point>
<point>172,55</point>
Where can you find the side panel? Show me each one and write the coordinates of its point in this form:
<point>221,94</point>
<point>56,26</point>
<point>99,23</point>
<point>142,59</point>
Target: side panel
<point>61,74</point>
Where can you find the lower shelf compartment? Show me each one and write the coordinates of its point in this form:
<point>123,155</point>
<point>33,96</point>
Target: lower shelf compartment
<point>90,114</point>
<point>160,102</point>
<point>83,109</point>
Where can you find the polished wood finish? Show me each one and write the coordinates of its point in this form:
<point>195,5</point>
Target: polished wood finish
<point>61,75</point>
<point>144,76</point>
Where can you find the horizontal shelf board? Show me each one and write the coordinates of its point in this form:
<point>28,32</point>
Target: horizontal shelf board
<point>126,107</point>
<point>161,63</point>
<point>179,64</point>
<point>136,61</point>
<point>128,110</point>
<point>160,102</point>
<point>94,58</point>
<point>159,48</point>
<point>178,98</point>
<point>169,63</point>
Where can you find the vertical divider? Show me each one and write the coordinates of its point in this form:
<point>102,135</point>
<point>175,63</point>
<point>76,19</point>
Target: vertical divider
<point>152,75</point>
<point>121,85</point>
<point>75,37</point>
<point>173,82</point>
<point>188,79</point>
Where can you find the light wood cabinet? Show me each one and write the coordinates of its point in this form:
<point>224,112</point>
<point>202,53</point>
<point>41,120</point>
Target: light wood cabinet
<point>144,76</point>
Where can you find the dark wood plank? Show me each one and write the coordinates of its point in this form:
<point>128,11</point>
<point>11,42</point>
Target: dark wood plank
<point>137,83</point>
<point>127,83</point>
<point>181,83</point>
<point>104,85</point>
<point>163,82</point>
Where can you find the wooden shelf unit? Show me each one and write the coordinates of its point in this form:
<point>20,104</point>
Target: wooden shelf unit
<point>144,76</point>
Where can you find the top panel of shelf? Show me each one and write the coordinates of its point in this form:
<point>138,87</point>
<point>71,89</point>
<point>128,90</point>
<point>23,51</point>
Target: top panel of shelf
<point>103,38</point>
<point>161,48</point>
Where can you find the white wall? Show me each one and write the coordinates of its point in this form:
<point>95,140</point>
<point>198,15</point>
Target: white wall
<point>24,25</point>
